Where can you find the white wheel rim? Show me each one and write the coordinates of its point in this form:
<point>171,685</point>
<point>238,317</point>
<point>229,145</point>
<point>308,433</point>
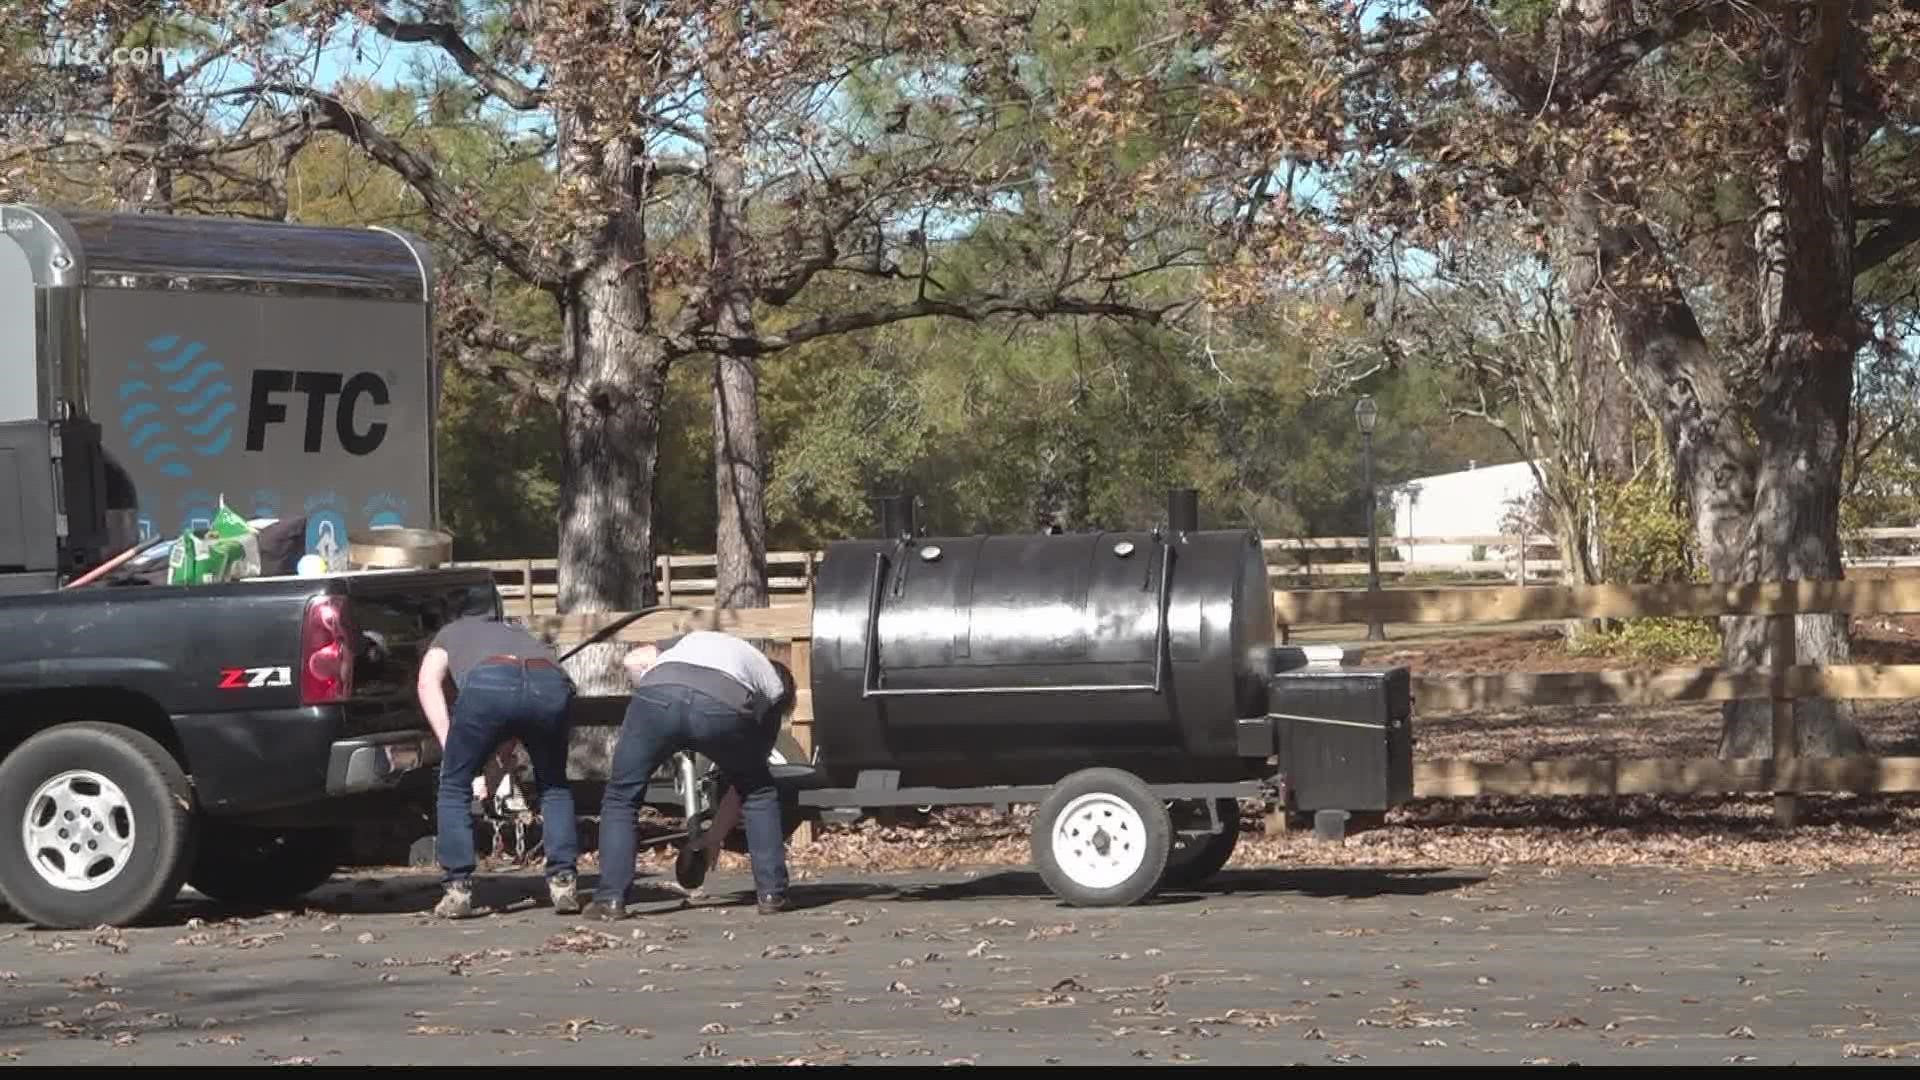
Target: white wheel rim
<point>78,831</point>
<point>1099,841</point>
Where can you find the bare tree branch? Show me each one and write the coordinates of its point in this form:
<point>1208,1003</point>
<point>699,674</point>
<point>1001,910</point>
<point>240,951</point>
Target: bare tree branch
<point>976,308</point>
<point>167,153</point>
<point>447,37</point>
<point>545,355</point>
<point>458,209</point>
<point>1900,230</point>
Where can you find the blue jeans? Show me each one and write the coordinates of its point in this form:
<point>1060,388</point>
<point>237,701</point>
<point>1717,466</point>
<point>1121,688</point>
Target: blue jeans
<point>661,720</point>
<point>502,701</point>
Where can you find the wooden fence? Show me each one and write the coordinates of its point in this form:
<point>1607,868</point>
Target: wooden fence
<point>1782,682</point>
<point>532,585</point>
<point>1785,774</point>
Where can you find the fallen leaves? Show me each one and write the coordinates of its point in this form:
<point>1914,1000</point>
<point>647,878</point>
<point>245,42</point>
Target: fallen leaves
<point>1894,1050</point>
<point>572,1029</point>
<point>583,941</point>
<point>92,983</point>
<point>1252,1018</point>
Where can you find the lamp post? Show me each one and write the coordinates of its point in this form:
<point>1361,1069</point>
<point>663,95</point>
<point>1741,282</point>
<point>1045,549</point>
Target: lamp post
<point>1366,414</point>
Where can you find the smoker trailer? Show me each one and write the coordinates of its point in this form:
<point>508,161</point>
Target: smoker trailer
<point>1128,682</point>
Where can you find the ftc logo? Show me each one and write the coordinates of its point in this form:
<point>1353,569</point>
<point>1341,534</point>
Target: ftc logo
<point>321,389</point>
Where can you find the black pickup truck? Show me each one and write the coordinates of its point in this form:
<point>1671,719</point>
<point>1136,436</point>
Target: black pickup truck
<point>218,735</point>
<point>223,735</point>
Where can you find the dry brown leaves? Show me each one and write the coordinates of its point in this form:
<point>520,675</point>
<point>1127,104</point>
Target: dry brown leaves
<point>1734,833</point>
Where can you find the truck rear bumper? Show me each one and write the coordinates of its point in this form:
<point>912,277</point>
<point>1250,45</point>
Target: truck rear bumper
<point>268,760</point>
<point>379,762</point>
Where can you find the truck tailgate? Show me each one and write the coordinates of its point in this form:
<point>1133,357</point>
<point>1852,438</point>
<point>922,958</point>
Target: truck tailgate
<point>395,615</point>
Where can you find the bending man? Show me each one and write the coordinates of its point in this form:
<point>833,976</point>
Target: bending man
<point>510,688</point>
<point>719,696</point>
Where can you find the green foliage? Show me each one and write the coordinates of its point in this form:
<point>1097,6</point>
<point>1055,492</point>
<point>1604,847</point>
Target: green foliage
<point>1663,641</point>
<point>1524,16</point>
<point>1648,541</point>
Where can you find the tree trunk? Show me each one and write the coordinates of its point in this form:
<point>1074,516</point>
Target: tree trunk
<point>740,540</point>
<point>1807,315</point>
<point>1603,399</point>
<point>1713,463</point>
<point>609,418</point>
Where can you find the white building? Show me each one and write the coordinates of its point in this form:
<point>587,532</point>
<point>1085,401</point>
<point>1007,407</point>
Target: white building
<point>1470,503</point>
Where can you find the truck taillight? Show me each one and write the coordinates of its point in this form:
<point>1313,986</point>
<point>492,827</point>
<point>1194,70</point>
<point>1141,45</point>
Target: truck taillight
<point>326,653</point>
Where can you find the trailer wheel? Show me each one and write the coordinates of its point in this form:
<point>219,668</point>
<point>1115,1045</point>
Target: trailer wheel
<point>1195,859</point>
<point>95,827</point>
<point>1101,839</point>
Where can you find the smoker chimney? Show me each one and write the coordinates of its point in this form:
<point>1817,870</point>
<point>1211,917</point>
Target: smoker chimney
<point>895,514</point>
<point>1183,510</point>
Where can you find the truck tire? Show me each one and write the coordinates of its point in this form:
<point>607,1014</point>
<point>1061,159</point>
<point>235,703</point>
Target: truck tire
<point>1195,859</point>
<point>253,866</point>
<point>96,827</point>
<point>1102,838</point>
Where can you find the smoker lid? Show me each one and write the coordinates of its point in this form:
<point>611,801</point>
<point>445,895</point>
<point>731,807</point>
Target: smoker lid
<point>179,251</point>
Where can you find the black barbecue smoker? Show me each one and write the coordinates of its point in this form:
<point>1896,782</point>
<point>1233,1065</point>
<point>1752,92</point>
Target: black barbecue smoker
<point>1128,682</point>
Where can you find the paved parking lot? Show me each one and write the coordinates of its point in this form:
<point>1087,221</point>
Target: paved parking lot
<point>1271,967</point>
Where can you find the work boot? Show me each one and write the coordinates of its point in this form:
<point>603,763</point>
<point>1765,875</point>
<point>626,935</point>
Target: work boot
<point>457,903</point>
<point>565,892</point>
<point>600,911</point>
<point>773,903</point>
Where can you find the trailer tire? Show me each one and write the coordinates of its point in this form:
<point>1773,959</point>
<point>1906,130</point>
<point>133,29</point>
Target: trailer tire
<point>1101,839</point>
<point>116,792</point>
<point>1195,859</point>
<point>264,867</point>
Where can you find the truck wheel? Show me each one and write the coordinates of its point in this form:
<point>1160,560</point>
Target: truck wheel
<point>1102,838</point>
<point>1195,859</point>
<point>97,827</point>
<point>241,865</point>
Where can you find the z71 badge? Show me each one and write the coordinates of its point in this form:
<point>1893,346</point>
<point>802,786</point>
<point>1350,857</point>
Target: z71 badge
<point>254,678</point>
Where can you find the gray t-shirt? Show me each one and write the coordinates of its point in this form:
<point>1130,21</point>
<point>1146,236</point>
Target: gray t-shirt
<point>474,638</point>
<point>728,655</point>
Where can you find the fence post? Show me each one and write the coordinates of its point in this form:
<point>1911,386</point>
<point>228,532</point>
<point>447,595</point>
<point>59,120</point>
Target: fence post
<point>526,582</point>
<point>1786,740</point>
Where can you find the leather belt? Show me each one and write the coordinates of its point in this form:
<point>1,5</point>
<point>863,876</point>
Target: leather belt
<point>536,662</point>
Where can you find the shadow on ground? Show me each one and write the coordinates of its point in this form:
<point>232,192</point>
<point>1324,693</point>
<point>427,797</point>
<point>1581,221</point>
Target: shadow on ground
<point>1358,883</point>
<point>498,894</point>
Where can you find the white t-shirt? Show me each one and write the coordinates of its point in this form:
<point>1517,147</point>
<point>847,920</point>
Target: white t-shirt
<point>728,655</point>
